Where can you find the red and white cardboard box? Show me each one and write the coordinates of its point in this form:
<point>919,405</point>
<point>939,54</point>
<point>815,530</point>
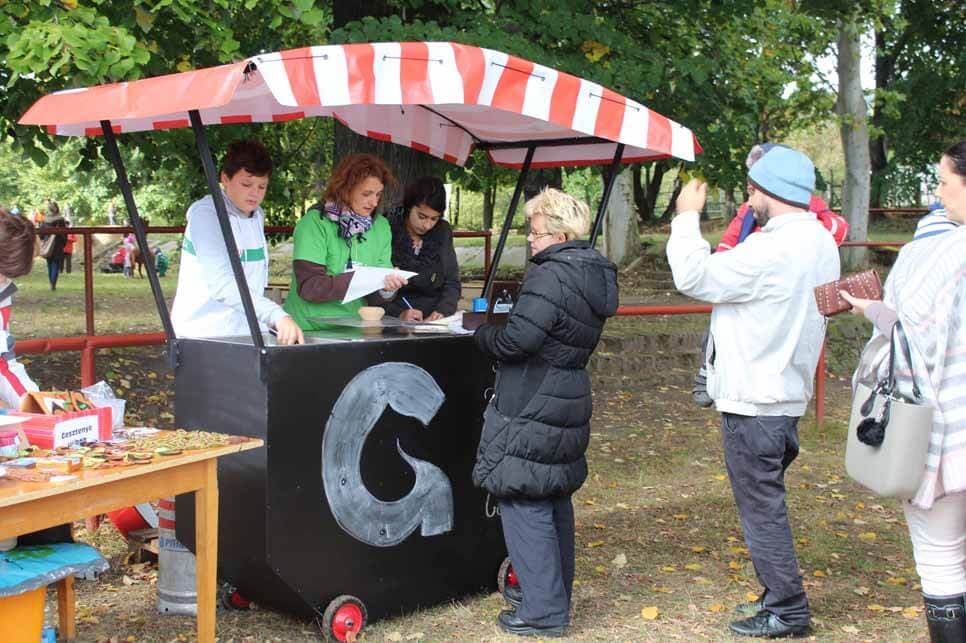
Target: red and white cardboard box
<point>65,429</point>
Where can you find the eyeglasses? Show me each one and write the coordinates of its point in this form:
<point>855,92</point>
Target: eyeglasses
<point>537,235</point>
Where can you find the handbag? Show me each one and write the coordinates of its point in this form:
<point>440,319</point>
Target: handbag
<point>864,285</point>
<point>47,246</point>
<point>888,440</point>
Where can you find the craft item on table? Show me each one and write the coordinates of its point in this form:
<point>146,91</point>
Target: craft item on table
<point>27,475</point>
<point>101,394</point>
<point>53,402</point>
<point>21,463</point>
<point>60,464</point>
<point>183,440</point>
<point>371,313</point>
<point>62,478</point>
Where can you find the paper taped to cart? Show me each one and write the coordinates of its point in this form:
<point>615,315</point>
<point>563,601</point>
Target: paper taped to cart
<point>367,280</point>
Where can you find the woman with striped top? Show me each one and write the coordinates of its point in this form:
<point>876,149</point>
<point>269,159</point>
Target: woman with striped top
<point>926,291</point>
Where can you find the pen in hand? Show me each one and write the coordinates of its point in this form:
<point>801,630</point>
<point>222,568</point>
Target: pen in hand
<point>414,313</point>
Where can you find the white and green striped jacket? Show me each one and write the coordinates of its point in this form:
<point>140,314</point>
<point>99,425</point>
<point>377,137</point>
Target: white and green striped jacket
<point>207,303</point>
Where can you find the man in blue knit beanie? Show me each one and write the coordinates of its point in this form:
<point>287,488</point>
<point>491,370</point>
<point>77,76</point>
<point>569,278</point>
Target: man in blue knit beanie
<point>766,336</point>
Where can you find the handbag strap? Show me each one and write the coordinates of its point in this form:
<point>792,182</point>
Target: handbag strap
<point>903,342</point>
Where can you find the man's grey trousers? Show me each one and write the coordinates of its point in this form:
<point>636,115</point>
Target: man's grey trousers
<point>758,450</point>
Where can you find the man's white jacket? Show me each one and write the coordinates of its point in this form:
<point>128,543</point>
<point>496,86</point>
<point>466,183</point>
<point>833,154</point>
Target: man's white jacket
<point>766,331</point>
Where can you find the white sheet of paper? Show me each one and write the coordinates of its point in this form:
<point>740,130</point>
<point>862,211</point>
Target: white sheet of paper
<point>366,280</point>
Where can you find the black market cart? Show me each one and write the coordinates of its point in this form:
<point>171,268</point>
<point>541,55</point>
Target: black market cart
<point>362,499</point>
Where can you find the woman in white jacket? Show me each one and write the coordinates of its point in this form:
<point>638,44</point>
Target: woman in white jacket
<point>926,291</point>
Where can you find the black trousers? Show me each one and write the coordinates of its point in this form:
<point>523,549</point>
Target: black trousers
<point>539,536</point>
<point>758,450</point>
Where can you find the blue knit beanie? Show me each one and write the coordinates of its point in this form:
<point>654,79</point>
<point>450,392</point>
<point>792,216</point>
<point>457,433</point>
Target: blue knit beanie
<point>786,174</point>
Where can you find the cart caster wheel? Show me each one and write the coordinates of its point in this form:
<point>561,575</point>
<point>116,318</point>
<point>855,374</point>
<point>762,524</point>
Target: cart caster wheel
<point>506,577</point>
<point>231,599</point>
<point>344,618</point>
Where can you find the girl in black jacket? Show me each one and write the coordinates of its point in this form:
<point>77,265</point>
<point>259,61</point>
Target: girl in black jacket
<point>422,242</point>
<point>537,425</point>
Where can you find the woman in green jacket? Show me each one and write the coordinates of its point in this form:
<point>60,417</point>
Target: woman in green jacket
<point>338,235</point>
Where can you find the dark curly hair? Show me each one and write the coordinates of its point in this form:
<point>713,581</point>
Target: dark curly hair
<point>353,170</point>
<point>18,244</point>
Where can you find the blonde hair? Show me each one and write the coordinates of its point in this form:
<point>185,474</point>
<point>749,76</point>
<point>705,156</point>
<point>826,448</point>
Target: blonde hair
<point>561,212</point>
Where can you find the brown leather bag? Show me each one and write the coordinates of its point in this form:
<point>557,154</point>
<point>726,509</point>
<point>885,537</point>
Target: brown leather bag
<point>864,285</point>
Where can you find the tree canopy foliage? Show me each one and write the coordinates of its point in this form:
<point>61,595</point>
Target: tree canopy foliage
<point>736,73</point>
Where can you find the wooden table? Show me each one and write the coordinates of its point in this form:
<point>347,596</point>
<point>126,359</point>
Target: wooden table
<point>29,506</point>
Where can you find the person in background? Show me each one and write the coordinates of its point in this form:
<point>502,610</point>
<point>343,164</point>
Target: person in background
<point>422,242</point>
<point>207,302</point>
<point>926,291</point>
<point>18,247</point>
<point>746,223</point>
<point>766,336</point>
<point>537,424</point>
<point>53,244</point>
<point>68,251</point>
<point>111,212</point>
<point>338,235</point>
<point>128,243</point>
<point>161,262</point>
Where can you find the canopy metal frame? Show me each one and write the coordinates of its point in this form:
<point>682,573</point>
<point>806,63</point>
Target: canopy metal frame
<point>212,177</point>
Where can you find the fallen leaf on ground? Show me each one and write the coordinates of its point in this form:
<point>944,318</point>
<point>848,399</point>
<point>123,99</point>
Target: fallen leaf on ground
<point>650,613</point>
<point>619,561</point>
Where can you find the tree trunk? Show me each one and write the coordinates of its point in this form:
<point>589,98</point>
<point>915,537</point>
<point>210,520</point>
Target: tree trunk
<point>621,237</point>
<point>729,208</point>
<point>669,210</point>
<point>541,178</point>
<point>653,179</point>
<point>455,214</point>
<point>640,193</point>
<point>489,198</point>
<point>852,109</point>
<point>405,163</point>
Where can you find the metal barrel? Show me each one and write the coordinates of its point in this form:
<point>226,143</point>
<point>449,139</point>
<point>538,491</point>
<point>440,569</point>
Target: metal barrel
<point>177,593</point>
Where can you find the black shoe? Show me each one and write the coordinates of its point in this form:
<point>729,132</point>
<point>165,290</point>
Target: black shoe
<point>945,618</point>
<point>513,595</point>
<point>750,608</point>
<point>768,626</point>
<point>510,622</point>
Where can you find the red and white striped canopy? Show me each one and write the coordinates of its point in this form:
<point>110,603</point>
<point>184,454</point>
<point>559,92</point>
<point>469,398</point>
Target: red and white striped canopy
<point>439,97</point>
